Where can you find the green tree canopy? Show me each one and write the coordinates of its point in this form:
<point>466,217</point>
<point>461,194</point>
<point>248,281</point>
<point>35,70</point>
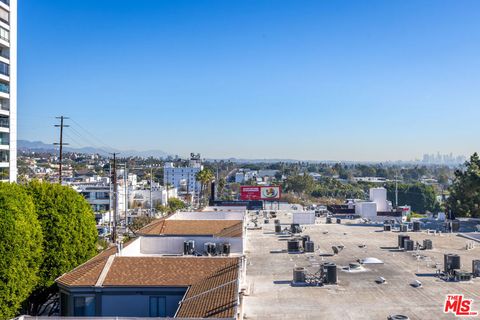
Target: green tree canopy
<point>140,222</point>
<point>204,176</point>
<point>300,183</point>
<point>419,196</point>
<point>20,248</point>
<point>464,200</point>
<point>70,235</point>
<point>175,204</point>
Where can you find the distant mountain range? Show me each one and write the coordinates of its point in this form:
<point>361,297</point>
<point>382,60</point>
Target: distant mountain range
<point>38,146</point>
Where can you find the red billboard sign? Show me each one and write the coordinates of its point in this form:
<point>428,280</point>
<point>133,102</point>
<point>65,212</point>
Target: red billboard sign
<point>267,193</point>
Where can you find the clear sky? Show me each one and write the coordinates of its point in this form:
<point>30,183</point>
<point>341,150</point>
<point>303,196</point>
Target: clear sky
<point>340,80</point>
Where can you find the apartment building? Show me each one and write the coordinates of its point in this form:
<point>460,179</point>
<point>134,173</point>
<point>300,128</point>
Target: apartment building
<point>8,90</point>
<point>189,265</point>
<point>183,178</point>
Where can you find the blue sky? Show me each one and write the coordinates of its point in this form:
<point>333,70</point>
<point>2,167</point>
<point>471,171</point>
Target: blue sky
<point>341,80</point>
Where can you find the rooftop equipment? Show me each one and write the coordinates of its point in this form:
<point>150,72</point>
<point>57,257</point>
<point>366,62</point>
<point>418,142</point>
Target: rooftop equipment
<point>381,280</point>
<point>336,249</point>
<point>293,246</point>
<point>210,248</point>
<point>476,268</point>
<point>463,276</point>
<point>305,238</point>
<point>416,226</point>
<point>278,228</point>
<point>451,262</point>
<point>371,260</point>
<point>354,266</point>
<point>226,248</point>
<point>189,247</point>
<point>295,228</point>
<point>401,239</point>
<point>329,273</point>
<point>298,275</point>
<point>309,246</point>
<point>397,317</point>
<point>427,244</point>
<point>408,245</point>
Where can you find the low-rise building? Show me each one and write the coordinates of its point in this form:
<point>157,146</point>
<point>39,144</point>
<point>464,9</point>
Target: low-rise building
<point>175,268</point>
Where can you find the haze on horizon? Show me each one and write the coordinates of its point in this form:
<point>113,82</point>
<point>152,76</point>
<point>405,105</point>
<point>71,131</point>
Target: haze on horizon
<point>316,80</point>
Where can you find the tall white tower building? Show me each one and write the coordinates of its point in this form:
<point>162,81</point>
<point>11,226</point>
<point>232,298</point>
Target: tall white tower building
<point>8,90</point>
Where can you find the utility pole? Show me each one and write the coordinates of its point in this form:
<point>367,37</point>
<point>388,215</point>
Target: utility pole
<point>396,189</point>
<point>115,197</point>
<point>125,181</point>
<point>61,144</point>
<point>110,203</point>
<point>151,186</point>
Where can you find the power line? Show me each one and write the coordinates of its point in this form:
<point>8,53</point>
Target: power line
<point>78,144</point>
<point>89,133</point>
<point>84,138</point>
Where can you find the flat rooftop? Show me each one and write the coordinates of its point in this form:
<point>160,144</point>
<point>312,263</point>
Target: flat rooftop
<point>357,295</point>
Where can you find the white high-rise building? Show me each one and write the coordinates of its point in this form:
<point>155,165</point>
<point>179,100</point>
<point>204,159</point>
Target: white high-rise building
<point>183,178</point>
<point>8,90</point>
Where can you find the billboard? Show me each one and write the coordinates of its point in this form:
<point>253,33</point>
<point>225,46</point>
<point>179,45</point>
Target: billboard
<point>267,193</point>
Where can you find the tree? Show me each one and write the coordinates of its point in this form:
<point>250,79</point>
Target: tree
<point>464,200</point>
<point>175,204</point>
<point>140,222</point>
<point>300,183</point>
<point>419,196</point>
<point>221,187</point>
<point>20,248</point>
<point>70,237</point>
<point>204,176</point>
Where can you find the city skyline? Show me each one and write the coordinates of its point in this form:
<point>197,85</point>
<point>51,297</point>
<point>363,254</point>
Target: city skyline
<point>374,81</point>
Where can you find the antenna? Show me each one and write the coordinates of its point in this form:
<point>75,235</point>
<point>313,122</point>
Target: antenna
<point>61,126</point>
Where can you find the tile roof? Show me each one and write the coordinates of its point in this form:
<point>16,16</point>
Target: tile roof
<point>216,228</point>
<point>215,296</point>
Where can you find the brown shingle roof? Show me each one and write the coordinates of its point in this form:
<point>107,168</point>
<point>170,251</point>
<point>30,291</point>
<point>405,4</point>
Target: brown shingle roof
<point>213,283</point>
<point>217,228</point>
<point>87,273</point>
<point>214,296</point>
<point>162,271</point>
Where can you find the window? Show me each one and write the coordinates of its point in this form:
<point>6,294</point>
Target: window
<point>4,156</point>
<point>4,34</point>
<point>4,138</point>
<point>63,304</point>
<point>158,307</point>
<point>84,306</point>
<point>4,15</point>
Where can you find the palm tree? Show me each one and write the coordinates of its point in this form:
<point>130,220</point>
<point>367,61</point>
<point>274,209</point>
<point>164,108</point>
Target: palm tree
<point>204,176</point>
